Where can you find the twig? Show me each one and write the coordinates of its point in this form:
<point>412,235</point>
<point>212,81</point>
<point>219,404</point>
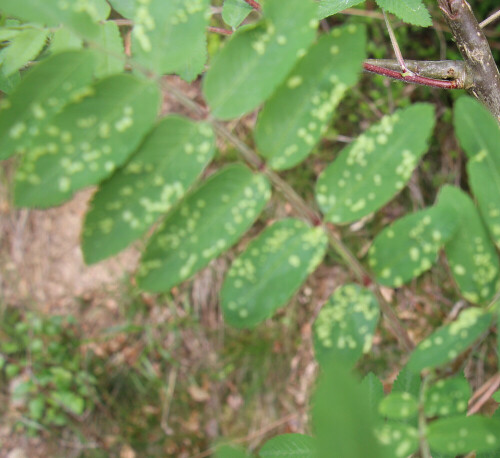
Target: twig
<point>219,30</point>
<point>489,20</point>
<point>254,5</point>
<point>395,46</point>
<point>483,394</point>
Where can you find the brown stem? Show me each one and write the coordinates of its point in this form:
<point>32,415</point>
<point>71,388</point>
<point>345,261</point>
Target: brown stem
<point>476,53</point>
<point>254,5</point>
<point>219,31</point>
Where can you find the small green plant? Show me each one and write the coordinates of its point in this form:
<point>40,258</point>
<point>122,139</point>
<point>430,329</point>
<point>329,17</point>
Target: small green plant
<point>44,369</point>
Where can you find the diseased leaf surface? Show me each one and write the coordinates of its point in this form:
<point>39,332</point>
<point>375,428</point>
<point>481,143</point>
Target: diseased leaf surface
<point>410,246</point>
<point>399,406</point>
<point>376,166</point>
<point>87,141</point>
<point>257,58</point>
<point>207,223</point>
<point>298,113</point>
<point>156,178</point>
<point>271,269</point>
<point>447,397</point>
<point>397,440</point>
<point>345,325</point>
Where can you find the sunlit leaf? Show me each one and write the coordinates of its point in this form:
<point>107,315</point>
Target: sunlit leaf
<point>376,166</point>
<point>32,105</point>
<point>445,344</point>
<point>399,406</point>
<point>460,435</point>
<point>111,56</point>
<point>411,11</point>
<point>87,141</point>
<point>234,12</point>
<point>345,325</point>
<point>298,113</point>
<point>289,445</point>
<point>157,176</point>
<point>167,35</point>
<point>479,135</point>
<point>125,7</point>
<point>471,254</point>
<point>447,397</point>
<point>410,245</point>
<point>329,7</point>
<point>271,269</point>
<point>207,223</point>
<point>257,58</point>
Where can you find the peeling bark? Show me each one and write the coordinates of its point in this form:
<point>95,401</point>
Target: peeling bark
<point>473,45</point>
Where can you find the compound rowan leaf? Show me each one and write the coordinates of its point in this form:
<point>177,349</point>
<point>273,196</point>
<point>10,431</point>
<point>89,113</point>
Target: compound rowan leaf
<point>376,166</point>
<point>479,135</point>
<point>234,12</point>
<point>80,16</point>
<point>156,178</point>
<point>398,406</point>
<point>87,141</point>
<point>397,440</point>
<point>375,390</point>
<point>410,246</point>
<point>32,105</point>
<point>298,113</point>
<point>447,397</point>
<point>207,223</point>
<point>271,269</point>
<point>125,7</point>
<point>289,445</point>
<point>111,57</point>
<point>411,11</point>
<point>25,46</point>
<point>167,36</point>
<point>461,435</point>
<point>471,254</point>
<point>449,341</point>
<point>330,7</point>
<point>257,58</point>
<point>345,325</point>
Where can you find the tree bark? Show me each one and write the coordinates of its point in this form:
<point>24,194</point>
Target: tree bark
<point>473,45</point>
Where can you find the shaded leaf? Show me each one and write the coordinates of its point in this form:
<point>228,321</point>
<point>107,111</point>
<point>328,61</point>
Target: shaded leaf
<point>397,439</point>
<point>8,83</point>
<point>298,113</point>
<point>449,341</point>
<point>156,178</point>
<point>207,223</point>
<point>460,435</point>
<point>447,397</point>
<point>111,58</point>
<point>231,451</point>
<point>373,387</point>
<point>87,141</point>
<point>234,12</point>
<point>257,58</point>
<point>479,135</point>
<point>289,445</point>
<point>270,271</point>
<point>411,11</point>
<point>398,406</point>
<point>345,325</point>
<point>125,7</point>
<point>167,35</point>
<point>329,7</point>
<point>407,381</point>
<point>376,166</point>
<point>64,39</point>
<point>410,245</point>
<point>31,105</point>
<point>471,255</point>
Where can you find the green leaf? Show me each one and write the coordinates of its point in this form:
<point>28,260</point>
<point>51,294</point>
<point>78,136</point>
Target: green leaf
<point>376,166</point>
<point>24,47</point>
<point>207,223</point>
<point>375,390</point>
<point>447,397</point>
<point>309,97</point>
<point>397,439</point>
<point>257,58</point>
<point>156,178</point>
<point>399,406</point>
<point>411,11</point>
<point>471,255</point>
<point>80,16</point>
<point>231,451</point>
<point>167,35</point>
<point>410,246</point>
<point>32,105</point>
<point>345,325</point>
<point>330,7</point>
<point>407,381</point>
<point>64,39</point>
<point>87,141</point>
<point>479,135</point>
<point>70,401</point>
<point>8,83</point>
<point>342,415</point>
<point>460,435</point>
<point>111,57</point>
<point>125,7</point>
<point>234,12</point>
<point>270,271</point>
<point>289,445</point>
<point>36,407</point>
<point>449,341</point>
